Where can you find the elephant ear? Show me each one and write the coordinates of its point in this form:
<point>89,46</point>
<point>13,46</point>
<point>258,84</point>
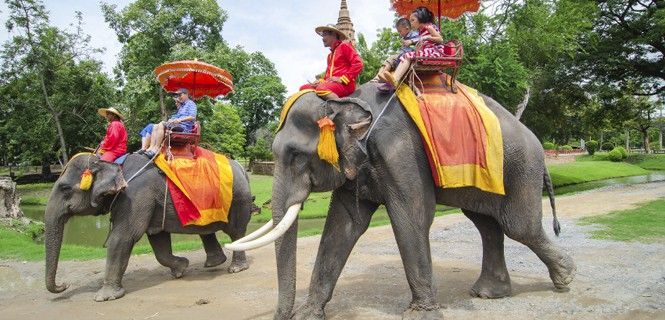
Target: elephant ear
<point>352,118</point>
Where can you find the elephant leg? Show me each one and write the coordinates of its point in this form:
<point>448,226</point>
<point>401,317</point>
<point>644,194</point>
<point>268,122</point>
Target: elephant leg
<point>214,253</point>
<point>494,280</point>
<point>411,211</point>
<point>530,233</point>
<point>239,259</point>
<point>117,257</point>
<point>161,246</point>
<point>345,223</point>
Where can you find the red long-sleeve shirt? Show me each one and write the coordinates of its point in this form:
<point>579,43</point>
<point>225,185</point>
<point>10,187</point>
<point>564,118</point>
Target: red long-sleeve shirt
<point>116,138</point>
<point>343,62</point>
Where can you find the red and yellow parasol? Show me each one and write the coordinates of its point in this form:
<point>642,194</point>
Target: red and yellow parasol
<point>200,78</point>
<point>442,8</point>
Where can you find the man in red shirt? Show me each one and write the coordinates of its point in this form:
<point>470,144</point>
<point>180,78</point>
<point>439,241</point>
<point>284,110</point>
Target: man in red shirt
<point>344,65</point>
<point>114,144</point>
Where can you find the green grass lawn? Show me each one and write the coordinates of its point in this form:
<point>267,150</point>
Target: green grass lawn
<point>645,223</point>
<point>585,170</point>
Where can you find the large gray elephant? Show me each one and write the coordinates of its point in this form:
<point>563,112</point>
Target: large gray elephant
<point>136,211</point>
<point>395,172</point>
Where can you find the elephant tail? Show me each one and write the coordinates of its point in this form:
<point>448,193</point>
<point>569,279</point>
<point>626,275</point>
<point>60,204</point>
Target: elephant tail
<point>550,193</point>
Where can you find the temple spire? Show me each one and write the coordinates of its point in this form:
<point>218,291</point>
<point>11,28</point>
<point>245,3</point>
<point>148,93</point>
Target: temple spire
<point>344,23</point>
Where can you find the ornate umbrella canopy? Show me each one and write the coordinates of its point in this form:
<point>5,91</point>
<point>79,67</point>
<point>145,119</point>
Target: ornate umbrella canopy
<point>443,8</point>
<point>200,78</point>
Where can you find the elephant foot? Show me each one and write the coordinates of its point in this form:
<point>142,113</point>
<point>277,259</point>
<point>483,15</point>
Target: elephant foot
<point>309,312</point>
<point>491,289</point>
<point>108,292</point>
<point>213,260</point>
<point>236,266</point>
<point>563,272</point>
<point>422,312</point>
<point>179,266</point>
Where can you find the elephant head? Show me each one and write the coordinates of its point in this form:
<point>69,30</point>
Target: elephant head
<point>300,170</point>
<point>70,197</point>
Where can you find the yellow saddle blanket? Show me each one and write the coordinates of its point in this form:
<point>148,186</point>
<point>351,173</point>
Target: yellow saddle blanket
<point>462,136</point>
<point>201,188</point>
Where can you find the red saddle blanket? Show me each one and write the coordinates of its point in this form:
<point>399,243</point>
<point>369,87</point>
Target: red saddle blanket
<point>201,188</point>
<point>461,135</point>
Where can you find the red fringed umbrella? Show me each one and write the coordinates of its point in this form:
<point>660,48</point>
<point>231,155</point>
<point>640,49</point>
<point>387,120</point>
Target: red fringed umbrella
<point>200,78</point>
<point>442,8</point>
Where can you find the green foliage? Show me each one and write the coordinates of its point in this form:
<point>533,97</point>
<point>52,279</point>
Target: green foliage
<point>615,155</point>
<point>154,32</point>
<point>591,146</point>
<point>622,150</point>
<point>549,145</point>
<point>565,147</point>
<point>645,223</point>
<point>387,43</point>
<point>51,88</point>
<point>259,151</point>
<point>625,48</point>
<point>224,131</point>
<point>607,146</point>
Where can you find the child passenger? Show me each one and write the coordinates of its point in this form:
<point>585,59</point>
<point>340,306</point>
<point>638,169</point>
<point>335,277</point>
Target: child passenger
<point>409,39</point>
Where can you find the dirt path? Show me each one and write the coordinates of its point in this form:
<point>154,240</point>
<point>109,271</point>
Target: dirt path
<point>615,279</point>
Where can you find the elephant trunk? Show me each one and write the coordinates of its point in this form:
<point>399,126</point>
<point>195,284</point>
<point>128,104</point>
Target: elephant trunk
<point>54,228</point>
<point>285,251</point>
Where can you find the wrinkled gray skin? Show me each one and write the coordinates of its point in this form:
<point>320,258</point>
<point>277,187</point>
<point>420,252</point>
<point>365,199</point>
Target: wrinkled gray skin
<point>395,173</point>
<point>137,210</point>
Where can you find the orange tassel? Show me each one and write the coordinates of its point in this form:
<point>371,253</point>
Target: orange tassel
<point>86,180</point>
<point>327,147</point>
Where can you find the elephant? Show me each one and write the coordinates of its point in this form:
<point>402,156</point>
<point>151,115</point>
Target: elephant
<point>390,167</point>
<point>139,206</point>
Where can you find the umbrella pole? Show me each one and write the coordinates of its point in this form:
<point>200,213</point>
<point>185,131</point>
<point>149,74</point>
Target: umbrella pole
<point>194,86</point>
<point>438,14</point>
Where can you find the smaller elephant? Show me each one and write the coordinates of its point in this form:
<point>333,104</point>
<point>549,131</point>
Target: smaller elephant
<point>139,207</point>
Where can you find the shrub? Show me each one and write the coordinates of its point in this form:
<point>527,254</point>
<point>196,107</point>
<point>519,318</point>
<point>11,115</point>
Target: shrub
<point>624,153</point>
<point>655,146</point>
<point>591,146</point>
<point>615,155</point>
<point>565,148</point>
<point>607,146</point>
<point>549,145</point>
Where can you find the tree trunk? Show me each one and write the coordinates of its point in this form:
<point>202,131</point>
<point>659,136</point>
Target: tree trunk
<point>162,107</point>
<point>645,141</point>
<point>627,140</point>
<point>660,138</point>
<point>9,201</point>
<point>56,119</point>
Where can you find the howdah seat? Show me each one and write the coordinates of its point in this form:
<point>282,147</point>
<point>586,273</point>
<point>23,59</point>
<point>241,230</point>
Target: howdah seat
<point>451,61</point>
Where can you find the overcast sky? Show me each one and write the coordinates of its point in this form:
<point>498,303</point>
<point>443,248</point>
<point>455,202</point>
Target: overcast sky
<point>282,30</point>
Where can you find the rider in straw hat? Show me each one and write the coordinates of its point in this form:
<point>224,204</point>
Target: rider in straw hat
<point>344,65</point>
<point>114,144</point>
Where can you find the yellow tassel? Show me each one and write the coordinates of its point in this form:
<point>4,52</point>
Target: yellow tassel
<point>86,180</point>
<point>327,147</point>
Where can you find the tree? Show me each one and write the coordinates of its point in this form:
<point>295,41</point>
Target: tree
<point>42,50</point>
<point>155,31</point>
<point>224,130</point>
<point>49,69</point>
<point>387,43</point>
<point>627,46</point>
<point>149,30</point>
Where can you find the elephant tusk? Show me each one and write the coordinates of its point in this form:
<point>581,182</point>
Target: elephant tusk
<point>279,230</point>
<point>256,234</point>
